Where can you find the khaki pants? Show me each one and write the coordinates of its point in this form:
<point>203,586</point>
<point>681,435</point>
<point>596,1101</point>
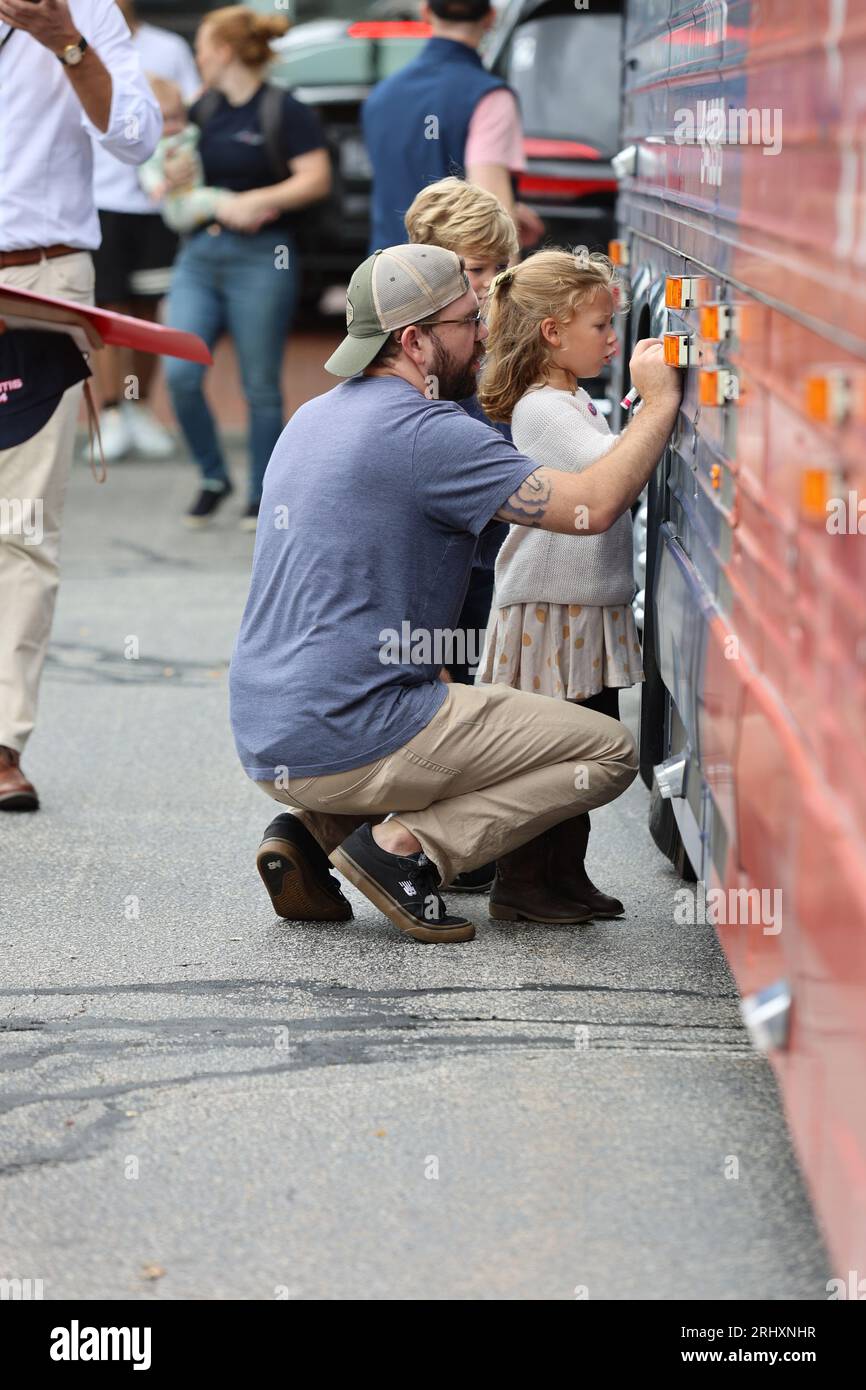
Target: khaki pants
<point>494,768</point>
<point>31,473</point>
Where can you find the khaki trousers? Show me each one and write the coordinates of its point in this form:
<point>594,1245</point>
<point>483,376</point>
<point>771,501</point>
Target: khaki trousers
<point>494,768</point>
<point>30,474</point>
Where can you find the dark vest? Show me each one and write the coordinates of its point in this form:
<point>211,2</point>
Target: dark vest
<point>415,125</point>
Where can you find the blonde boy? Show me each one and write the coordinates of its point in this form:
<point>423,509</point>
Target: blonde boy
<point>469,221</point>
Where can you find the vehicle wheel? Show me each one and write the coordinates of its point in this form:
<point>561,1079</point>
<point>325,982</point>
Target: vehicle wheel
<point>665,831</point>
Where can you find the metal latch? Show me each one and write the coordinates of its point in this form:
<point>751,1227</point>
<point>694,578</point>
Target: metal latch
<point>671,776</point>
<point>767,1015</point>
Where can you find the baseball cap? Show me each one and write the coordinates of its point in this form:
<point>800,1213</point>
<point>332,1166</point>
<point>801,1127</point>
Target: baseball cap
<point>391,289</point>
<point>460,11</point>
<point>36,367</point>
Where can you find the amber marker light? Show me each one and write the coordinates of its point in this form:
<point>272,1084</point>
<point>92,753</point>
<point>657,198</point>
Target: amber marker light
<point>677,349</point>
<point>814,493</point>
<point>717,386</point>
<point>828,396</point>
<point>716,322</point>
<point>680,292</point>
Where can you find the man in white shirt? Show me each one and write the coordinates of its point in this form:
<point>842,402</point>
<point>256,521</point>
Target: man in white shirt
<point>69,76</point>
<point>134,261</point>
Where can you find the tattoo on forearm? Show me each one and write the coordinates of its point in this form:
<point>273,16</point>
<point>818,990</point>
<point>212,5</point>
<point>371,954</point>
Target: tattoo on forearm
<point>528,505</point>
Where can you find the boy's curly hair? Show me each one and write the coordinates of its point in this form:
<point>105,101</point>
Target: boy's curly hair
<point>462,218</point>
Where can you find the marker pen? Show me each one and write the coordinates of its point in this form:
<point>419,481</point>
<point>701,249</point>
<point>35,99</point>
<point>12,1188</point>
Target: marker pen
<point>628,400</point>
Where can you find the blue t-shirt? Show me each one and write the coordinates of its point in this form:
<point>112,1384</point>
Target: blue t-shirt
<point>373,501</point>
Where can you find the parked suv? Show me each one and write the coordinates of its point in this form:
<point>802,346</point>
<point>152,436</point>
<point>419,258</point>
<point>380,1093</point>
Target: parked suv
<point>564,65</point>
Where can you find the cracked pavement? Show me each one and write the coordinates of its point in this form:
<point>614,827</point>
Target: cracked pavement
<point>272,1111</point>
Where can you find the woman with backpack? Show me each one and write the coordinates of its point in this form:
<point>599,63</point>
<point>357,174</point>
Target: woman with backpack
<point>238,272</point>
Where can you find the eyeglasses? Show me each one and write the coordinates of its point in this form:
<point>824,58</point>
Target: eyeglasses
<point>473,319</point>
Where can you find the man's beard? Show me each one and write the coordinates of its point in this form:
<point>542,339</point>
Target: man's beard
<point>456,381</point>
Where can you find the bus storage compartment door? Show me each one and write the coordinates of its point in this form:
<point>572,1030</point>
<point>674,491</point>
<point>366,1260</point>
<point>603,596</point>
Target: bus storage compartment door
<point>726,670</point>
<point>682,609</point>
<point>772,780</point>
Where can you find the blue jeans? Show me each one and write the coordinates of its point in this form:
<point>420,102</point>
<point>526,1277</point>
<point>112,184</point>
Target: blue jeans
<point>231,282</point>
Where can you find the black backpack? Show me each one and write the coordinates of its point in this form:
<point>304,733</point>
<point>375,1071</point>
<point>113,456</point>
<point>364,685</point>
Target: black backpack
<point>270,116</point>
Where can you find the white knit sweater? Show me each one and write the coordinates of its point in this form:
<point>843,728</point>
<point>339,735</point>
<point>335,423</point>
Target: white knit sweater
<point>559,430</point>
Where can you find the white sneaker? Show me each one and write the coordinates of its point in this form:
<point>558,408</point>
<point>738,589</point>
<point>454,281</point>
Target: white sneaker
<point>115,432</point>
<point>149,437</point>
<point>333,301</point>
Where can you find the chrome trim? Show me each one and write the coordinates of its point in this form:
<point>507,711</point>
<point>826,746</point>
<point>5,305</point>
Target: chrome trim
<point>690,834</point>
<point>671,776</point>
<point>767,1016</point>
<point>576,212</point>
<point>313,95</point>
<point>625,163</point>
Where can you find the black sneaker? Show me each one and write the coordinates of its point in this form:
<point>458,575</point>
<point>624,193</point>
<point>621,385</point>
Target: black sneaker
<point>297,874</point>
<point>473,880</point>
<point>403,886</point>
<point>204,506</point>
<point>250,519</point>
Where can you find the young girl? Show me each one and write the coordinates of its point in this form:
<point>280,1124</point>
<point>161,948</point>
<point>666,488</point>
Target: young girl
<point>561,622</point>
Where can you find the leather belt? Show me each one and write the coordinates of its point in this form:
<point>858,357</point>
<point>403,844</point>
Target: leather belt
<point>34,254</point>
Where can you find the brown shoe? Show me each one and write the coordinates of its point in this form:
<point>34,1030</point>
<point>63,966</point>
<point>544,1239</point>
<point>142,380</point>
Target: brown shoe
<point>569,840</point>
<point>525,889</point>
<point>16,793</point>
<point>296,872</point>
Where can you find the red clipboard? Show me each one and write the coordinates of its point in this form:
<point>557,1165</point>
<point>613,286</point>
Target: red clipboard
<point>94,328</point>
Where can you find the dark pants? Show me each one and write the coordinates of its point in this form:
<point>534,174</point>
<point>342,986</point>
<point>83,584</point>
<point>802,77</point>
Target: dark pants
<point>605,702</point>
<point>473,622</point>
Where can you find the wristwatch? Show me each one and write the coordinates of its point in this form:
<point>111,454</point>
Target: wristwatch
<point>73,53</point>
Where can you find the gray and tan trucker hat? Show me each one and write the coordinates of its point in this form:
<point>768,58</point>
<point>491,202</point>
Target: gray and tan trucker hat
<point>391,289</point>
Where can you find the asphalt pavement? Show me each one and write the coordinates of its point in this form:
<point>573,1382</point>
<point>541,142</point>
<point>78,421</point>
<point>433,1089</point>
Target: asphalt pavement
<point>200,1101</point>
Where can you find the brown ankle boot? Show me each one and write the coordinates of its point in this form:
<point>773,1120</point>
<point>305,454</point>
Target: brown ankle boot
<point>569,840</point>
<point>524,891</point>
<point>16,793</point>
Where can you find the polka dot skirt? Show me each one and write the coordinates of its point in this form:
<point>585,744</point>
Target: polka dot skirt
<point>565,650</point>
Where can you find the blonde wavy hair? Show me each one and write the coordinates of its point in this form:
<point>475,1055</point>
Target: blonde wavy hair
<point>551,284</point>
<point>462,218</point>
<point>247,33</point>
